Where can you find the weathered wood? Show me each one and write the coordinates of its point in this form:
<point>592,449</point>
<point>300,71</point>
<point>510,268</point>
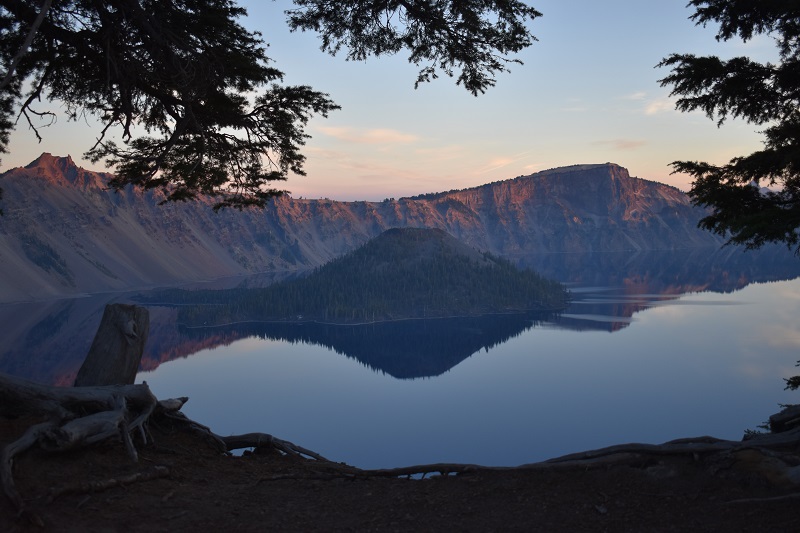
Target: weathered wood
<point>256,440</point>
<point>28,440</point>
<point>81,416</point>
<point>117,348</point>
<point>617,454</point>
<point>78,417</point>
<point>19,396</point>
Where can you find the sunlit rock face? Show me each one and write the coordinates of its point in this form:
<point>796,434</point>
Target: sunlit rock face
<point>65,233</point>
<point>572,209</point>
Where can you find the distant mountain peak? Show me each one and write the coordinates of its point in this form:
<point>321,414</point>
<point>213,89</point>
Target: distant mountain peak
<point>62,170</point>
<point>48,160</point>
<point>55,163</point>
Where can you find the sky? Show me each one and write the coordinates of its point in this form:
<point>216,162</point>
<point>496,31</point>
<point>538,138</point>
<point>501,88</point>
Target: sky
<point>587,92</point>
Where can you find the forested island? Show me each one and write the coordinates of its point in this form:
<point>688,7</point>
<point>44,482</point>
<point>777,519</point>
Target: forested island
<point>402,273</point>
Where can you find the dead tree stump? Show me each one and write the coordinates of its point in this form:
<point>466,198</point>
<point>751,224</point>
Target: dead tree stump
<point>117,347</point>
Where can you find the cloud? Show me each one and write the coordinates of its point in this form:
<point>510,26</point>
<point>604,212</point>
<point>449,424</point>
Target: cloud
<point>368,136</point>
<point>500,162</point>
<point>533,167</point>
<point>660,105</point>
<point>640,95</point>
<point>443,153</point>
<point>621,144</point>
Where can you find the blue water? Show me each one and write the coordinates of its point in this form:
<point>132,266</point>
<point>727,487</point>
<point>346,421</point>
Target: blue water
<point>654,347</point>
<point>699,364</point>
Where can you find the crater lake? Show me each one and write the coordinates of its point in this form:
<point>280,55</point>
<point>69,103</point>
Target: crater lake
<point>653,347</point>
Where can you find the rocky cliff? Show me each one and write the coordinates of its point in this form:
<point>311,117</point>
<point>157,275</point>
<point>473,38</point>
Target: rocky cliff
<point>65,233</point>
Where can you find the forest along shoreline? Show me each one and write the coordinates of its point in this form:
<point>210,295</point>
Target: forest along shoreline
<point>404,273</point>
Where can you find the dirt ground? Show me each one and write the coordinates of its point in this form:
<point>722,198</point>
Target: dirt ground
<point>181,484</point>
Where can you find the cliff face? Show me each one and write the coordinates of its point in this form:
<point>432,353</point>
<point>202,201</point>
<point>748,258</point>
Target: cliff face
<point>64,233</point>
<point>575,209</point>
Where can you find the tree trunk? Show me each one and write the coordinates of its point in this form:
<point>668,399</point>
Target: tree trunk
<point>117,348</point>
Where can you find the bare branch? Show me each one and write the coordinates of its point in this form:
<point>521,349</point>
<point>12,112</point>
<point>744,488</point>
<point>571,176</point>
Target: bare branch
<point>26,44</point>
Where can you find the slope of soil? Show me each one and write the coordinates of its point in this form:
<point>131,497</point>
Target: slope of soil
<point>181,484</point>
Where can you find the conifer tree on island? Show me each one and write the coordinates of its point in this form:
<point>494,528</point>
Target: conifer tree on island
<point>764,94</point>
<point>200,107</point>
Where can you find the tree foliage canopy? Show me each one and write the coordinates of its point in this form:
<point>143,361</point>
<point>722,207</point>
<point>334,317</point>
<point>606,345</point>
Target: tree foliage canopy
<point>473,36</point>
<point>200,107</point>
<point>764,94</point>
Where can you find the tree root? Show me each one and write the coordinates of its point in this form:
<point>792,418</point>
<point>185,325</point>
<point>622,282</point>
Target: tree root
<point>98,486</point>
<point>618,454</point>
<point>783,498</point>
<point>258,440</point>
<point>77,417</point>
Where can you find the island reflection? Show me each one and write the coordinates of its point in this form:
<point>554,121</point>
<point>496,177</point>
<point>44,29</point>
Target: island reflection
<point>47,341</point>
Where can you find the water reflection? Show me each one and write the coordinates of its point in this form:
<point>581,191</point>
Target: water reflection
<point>47,341</point>
<point>672,272</point>
<point>404,349</point>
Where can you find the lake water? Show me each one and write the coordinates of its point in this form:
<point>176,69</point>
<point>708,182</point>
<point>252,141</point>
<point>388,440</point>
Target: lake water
<point>652,349</point>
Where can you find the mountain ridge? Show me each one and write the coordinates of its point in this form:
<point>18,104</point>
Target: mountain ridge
<point>69,234</point>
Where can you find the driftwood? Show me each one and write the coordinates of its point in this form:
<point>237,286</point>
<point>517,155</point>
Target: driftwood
<point>627,453</point>
<point>105,405</point>
<point>170,409</point>
<point>264,440</point>
<point>117,347</point>
<point>80,416</point>
<point>75,417</point>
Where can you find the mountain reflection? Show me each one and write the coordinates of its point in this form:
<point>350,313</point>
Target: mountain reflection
<point>668,272</point>
<point>404,349</point>
<point>47,341</point>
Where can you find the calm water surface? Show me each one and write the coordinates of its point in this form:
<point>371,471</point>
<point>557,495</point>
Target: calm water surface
<point>654,347</point>
<point>699,364</point>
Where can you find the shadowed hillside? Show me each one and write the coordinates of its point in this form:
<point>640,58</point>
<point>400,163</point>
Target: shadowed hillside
<point>403,273</point>
<point>65,233</point>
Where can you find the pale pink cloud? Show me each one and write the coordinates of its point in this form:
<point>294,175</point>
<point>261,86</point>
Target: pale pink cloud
<point>503,161</point>
<point>640,95</point>
<point>534,167</point>
<point>660,105</point>
<point>443,153</point>
<point>368,136</point>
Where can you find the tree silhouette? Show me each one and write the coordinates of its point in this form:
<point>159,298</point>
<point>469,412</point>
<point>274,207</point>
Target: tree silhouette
<point>201,109</point>
<point>764,94</point>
